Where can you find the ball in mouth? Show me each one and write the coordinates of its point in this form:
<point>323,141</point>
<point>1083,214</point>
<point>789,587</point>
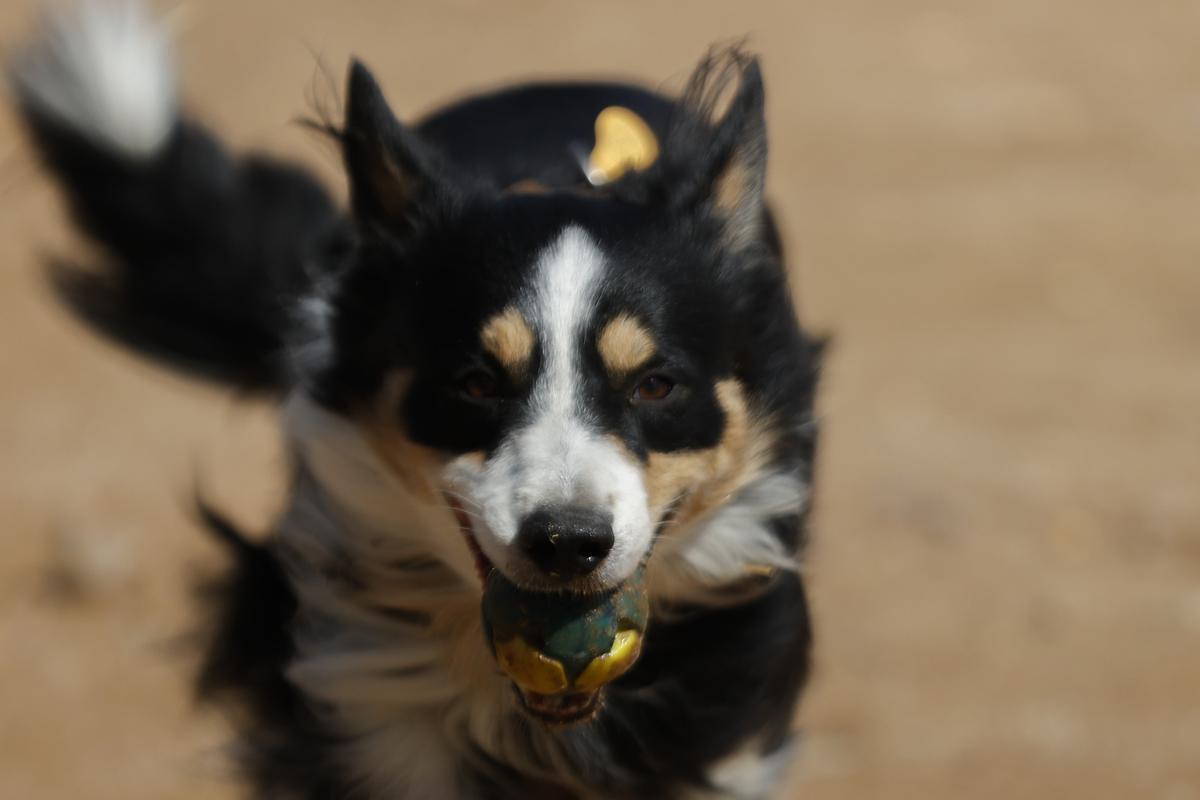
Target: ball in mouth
<point>561,649</point>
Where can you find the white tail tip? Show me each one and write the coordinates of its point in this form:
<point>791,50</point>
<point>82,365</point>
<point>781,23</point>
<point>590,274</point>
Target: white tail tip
<point>103,69</point>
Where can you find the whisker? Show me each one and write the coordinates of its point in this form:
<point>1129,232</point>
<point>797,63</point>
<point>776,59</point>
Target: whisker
<point>460,496</point>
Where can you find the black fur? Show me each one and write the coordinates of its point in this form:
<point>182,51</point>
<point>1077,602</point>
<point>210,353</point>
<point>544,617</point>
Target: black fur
<point>208,253</point>
<point>283,747</point>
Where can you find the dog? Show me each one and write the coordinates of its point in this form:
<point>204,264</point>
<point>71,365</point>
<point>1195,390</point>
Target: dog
<point>498,360</point>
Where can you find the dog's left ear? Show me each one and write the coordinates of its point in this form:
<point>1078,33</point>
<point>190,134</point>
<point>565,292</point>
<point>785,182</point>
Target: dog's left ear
<point>715,153</point>
<point>393,172</point>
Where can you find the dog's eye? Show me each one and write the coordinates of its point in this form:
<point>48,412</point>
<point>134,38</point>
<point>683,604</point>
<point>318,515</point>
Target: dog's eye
<point>652,388</point>
<point>480,385</point>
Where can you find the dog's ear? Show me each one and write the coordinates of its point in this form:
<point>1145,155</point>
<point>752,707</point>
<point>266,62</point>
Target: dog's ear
<point>392,171</point>
<point>715,153</point>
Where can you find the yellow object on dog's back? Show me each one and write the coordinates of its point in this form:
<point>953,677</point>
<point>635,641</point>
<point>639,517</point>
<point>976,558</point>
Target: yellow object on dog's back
<point>623,142</point>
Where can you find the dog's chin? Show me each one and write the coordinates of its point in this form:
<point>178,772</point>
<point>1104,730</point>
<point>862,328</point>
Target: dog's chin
<point>531,581</point>
<point>559,710</point>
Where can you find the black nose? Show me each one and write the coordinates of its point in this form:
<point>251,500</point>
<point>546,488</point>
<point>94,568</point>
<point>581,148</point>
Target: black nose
<point>566,542</point>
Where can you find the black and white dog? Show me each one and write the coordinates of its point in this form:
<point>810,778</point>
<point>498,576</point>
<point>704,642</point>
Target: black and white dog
<point>484,341</point>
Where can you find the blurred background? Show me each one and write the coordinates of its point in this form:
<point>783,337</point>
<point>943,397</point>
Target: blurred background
<point>992,206</point>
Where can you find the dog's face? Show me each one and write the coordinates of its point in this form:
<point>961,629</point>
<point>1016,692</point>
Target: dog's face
<point>571,375</point>
<point>575,381</point>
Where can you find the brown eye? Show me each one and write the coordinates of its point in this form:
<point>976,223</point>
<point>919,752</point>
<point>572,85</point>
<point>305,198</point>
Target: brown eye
<point>652,388</point>
<point>480,385</point>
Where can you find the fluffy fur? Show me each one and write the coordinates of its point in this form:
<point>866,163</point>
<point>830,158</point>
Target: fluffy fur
<point>351,641</point>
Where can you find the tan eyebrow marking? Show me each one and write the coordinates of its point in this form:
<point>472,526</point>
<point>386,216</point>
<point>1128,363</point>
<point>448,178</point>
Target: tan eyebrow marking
<point>624,345</point>
<point>508,337</point>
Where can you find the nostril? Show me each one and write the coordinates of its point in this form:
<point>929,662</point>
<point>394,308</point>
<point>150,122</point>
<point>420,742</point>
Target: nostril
<point>596,545</point>
<point>540,549</point>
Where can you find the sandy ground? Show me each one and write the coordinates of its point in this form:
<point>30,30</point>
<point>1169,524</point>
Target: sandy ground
<point>994,208</point>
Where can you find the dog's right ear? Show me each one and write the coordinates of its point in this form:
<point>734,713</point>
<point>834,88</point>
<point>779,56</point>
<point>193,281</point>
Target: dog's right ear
<point>715,151</point>
<point>392,171</point>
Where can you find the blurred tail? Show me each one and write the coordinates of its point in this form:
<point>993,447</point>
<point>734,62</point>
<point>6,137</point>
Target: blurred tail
<point>209,254</point>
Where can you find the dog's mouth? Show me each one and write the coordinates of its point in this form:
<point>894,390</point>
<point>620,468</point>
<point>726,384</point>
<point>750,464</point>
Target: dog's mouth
<point>560,650</point>
<point>559,709</point>
<point>483,564</point>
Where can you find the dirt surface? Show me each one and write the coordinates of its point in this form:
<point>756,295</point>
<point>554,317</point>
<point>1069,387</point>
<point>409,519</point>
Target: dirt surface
<point>994,208</point>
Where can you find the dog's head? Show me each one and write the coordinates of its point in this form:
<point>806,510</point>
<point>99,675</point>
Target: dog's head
<point>574,376</point>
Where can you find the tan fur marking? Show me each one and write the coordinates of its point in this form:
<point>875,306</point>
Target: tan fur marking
<point>624,345</point>
<point>528,186</point>
<point>704,480</point>
<point>732,187</point>
<point>393,186</point>
<point>507,336</point>
<point>733,195</point>
<point>417,467</point>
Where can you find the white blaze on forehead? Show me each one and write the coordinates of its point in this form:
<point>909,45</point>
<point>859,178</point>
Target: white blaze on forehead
<point>568,275</point>
<point>559,457</point>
